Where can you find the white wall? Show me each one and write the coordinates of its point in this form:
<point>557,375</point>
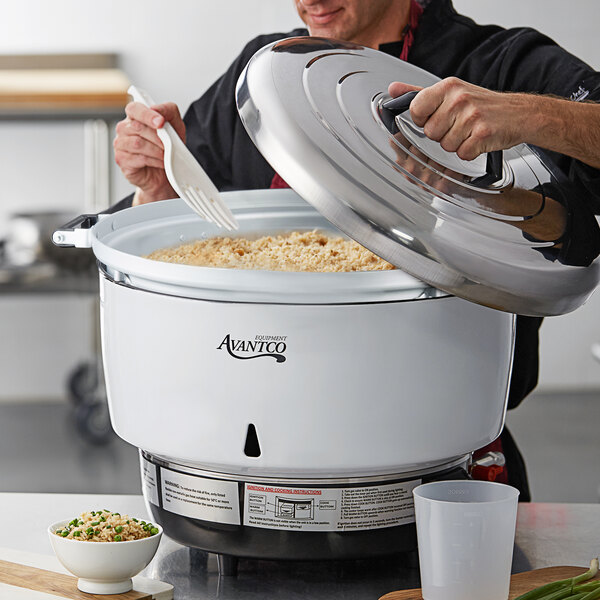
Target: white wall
<point>175,50</point>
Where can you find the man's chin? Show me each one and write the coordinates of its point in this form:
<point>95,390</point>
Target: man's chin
<point>328,32</point>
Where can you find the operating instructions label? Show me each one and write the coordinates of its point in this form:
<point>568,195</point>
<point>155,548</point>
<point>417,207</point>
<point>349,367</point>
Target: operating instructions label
<point>212,500</point>
<point>149,481</point>
<point>329,509</point>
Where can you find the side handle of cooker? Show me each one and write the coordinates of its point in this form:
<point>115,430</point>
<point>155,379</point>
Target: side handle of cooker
<point>77,233</point>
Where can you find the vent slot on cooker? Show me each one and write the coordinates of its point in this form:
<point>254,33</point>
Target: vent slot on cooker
<point>252,447</point>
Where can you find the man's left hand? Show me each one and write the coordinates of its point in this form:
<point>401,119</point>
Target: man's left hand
<point>465,118</point>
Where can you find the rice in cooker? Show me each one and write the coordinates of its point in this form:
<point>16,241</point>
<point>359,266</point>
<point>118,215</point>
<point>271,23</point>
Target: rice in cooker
<point>106,526</point>
<point>295,251</point>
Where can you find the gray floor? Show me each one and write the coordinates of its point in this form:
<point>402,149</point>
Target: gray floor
<point>41,450</point>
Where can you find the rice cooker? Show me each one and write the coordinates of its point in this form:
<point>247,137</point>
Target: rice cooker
<point>286,415</point>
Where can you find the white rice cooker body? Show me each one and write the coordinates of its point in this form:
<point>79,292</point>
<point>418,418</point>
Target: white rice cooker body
<point>337,373</point>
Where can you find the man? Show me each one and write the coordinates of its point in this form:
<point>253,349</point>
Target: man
<point>499,88</point>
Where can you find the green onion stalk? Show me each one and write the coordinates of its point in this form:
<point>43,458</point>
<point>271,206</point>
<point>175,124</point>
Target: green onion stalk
<point>568,589</point>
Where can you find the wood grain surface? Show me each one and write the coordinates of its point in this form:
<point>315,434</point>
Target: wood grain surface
<point>519,583</point>
<point>35,88</point>
<point>58,584</point>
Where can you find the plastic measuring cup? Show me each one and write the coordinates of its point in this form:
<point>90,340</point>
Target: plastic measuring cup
<point>466,532</point>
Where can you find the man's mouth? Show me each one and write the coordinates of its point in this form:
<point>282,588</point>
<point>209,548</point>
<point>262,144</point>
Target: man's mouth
<point>324,18</point>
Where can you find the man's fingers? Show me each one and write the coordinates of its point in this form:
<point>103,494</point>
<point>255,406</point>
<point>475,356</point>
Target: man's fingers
<point>135,144</point>
<point>470,149</point>
<point>397,88</point>
<point>131,128</point>
<point>426,103</point>
<point>156,116</point>
<point>453,138</point>
<point>439,124</point>
<point>148,116</point>
<point>170,111</point>
<point>129,162</point>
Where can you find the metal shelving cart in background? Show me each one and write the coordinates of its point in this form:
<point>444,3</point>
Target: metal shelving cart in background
<point>86,88</point>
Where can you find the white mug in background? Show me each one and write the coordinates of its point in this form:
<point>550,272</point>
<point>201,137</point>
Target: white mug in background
<point>466,532</point>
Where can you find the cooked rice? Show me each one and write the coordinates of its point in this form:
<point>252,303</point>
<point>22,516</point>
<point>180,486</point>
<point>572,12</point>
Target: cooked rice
<point>104,526</point>
<point>295,251</point>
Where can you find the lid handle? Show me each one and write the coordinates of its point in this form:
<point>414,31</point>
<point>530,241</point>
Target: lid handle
<point>399,104</point>
<point>493,168</point>
<point>396,106</point>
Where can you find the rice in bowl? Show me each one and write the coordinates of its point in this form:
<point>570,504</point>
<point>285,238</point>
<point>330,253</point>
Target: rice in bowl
<point>106,526</point>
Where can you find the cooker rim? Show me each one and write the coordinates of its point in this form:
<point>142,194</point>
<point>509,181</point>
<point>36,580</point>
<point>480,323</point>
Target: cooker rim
<point>339,479</point>
<point>146,227</point>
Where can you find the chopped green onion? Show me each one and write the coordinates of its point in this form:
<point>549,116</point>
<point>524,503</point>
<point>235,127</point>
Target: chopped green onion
<point>94,523</point>
<point>65,533</point>
<point>76,533</point>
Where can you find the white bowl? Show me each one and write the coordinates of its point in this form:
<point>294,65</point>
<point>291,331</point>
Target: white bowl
<point>103,567</point>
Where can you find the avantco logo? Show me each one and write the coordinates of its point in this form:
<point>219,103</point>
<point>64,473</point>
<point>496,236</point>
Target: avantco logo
<point>262,345</point>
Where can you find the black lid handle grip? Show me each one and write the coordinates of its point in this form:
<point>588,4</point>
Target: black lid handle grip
<point>399,104</point>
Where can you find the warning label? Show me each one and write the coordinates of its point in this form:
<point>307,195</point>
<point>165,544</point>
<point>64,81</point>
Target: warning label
<point>327,509</point>
<point>200,498</point>
<point>149,482</point>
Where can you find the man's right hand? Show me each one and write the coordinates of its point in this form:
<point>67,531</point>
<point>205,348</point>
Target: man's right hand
<point>139,151</point>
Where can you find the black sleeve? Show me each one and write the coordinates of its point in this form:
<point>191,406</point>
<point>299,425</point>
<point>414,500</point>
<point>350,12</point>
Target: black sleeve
<point>524,60</point>
<point>124,203</point>
<point>210,123</point>
<point>216,136</point>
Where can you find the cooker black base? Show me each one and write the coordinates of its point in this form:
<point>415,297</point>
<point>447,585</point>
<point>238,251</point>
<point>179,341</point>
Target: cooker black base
<point>228,565</point>
<point>270,544</point>
<point>232,541</point>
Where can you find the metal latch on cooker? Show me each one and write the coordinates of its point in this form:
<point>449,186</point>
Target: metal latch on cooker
<point>76,233</point>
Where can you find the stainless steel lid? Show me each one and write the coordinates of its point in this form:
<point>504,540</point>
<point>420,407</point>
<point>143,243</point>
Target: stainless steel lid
<point>496,231</point>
